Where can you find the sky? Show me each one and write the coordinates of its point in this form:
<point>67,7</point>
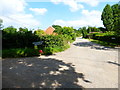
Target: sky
<point>40,14</point>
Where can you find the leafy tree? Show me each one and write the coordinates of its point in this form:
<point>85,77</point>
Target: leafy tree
<point>23,30</point>
<point>107,17</point>
<point>102,29</point>
<point>10,29</point>
<point>78,32</point>
<point>69,31</point>
<point>89,29</point>
<point>39,32</point>
<point>58,29</point>
<point>84,32</point>
<point>66,32</point>
<point>116,17</point>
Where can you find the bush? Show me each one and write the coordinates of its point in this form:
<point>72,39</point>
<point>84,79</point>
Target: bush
<point>53,44</point>
<point>52,50</point>
<point>52,41</point>
<point>48,50</point>
<point>18,39</point>
<point>19,52</point>
<point>112,39</point>
<point>108,37</point>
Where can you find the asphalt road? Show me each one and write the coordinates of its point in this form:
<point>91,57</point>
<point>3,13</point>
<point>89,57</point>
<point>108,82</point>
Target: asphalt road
<point>85,64</point>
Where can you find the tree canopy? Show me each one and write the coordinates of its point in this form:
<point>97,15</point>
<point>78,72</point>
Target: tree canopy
<point>111,18</point>
<point>39,32</point>
<point>107,17</point>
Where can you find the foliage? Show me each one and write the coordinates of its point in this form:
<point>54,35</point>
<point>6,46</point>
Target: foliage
<point>10,29</point>
<point>102,29</point>
<point>48,50</point>
<point>70,32</point>
<point>111,32</point>
<point>66,32</point>
<point>84,32</point>
<point>104,43</point>
<point>58,29</point>
<point>51,40</point>
<point>78,32</point>
<point>111,18</point>
<point>107,17</point>
<point>52,50</point>
<point>23,30</point>
<point>93,29</point>
<point>53,43</point>
<point>19,52</point>
<point>15,41</point>
<point>116,17</point>
<point>12,38</point>
<point>39,32</point>
<point>108,37</point>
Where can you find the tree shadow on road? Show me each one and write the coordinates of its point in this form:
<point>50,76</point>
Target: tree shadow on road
<point>92,46</point>
<point>110,62</point>
<point>39,73</point>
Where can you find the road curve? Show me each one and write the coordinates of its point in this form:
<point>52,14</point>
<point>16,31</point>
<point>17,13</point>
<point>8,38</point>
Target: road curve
<point>99,64</point>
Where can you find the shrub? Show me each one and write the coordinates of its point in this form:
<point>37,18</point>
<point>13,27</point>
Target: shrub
<point>48,50</point>
<point>53,43</point>
<point>18,39</point>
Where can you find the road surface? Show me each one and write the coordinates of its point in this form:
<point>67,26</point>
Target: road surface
<point>84,64</point>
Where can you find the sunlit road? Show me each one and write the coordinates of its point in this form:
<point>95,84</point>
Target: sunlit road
<point>84,64</point>
<point>98,64</point>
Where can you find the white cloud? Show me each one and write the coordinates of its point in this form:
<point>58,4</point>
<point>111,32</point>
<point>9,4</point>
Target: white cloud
<point>90,2</point>
<point>88,18</point>
<point>40,11</point>
<point>13,13</point>
<point>12,7</point>
<point>74,6</point>
<point>55,1</point>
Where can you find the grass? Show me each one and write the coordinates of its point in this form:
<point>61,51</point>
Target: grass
<point>29,52</point>
<point>50,50</point>
<point>103,43</point>
<point>19,52</point>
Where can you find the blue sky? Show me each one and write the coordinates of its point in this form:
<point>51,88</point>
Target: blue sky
<point>38,14</point>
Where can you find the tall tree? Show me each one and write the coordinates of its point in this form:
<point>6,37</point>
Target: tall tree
<point>107,17</point>
<point>116,17</point>
<point>58,29</point>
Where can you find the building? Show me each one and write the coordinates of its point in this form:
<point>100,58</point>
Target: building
<point>50,31</point>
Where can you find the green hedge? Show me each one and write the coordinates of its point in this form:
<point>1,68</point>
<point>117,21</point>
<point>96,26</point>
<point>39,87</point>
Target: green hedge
<point>18,40</point>
<point>53,43</point>
<point>107,37</point>
<point>112,39</point>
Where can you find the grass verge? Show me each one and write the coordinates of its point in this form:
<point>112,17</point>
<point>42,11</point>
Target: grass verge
<point>103,43</point>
